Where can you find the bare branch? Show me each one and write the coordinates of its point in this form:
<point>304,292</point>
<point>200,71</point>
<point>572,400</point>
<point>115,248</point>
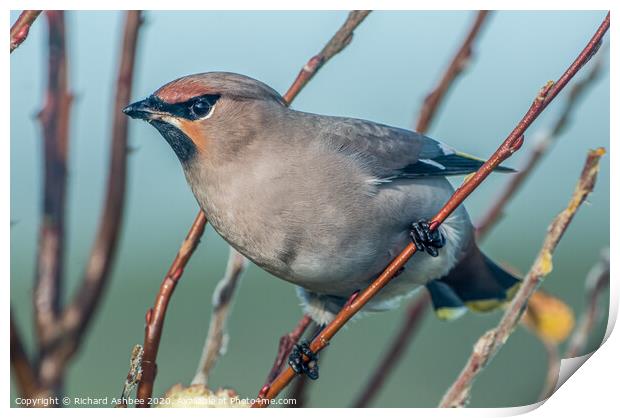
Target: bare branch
<point>596,283</point>
<point>542,146</point>
<point>458,64</point>
<point>217,339</point>
<point>492,341</point>
<point>21,27</point>
<point>156,315</point>
<point>54,119</point>
<point>512,143</point>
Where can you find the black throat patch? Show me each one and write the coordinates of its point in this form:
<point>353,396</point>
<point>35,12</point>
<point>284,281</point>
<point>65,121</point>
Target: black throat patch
<point>181,144</point>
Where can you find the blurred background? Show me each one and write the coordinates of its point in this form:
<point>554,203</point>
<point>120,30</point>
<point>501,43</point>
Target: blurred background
<point>394,60</point>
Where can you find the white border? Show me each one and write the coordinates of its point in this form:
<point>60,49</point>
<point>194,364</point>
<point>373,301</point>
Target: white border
<point>592,391</point>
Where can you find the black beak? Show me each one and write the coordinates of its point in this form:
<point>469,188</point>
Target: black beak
<point>141,110</point>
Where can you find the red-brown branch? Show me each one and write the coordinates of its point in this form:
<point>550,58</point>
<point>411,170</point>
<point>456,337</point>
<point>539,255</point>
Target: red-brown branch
<point>492,341</point>
<point>458,64</point>
<point>21,27</point>
<point>54,119</point>
<point>415,314</point>
<point>338,42</point>
<point>157,314</point>
<point>541,148</point>
<point>510,145</point>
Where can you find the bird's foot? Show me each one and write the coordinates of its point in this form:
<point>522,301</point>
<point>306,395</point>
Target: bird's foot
<point>425,239</point>
<point>309,367</point>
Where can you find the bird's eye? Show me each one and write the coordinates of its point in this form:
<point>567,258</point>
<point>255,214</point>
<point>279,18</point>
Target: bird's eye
<point>201,108</point>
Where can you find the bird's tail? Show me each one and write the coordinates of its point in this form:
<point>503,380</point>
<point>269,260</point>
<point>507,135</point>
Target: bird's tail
<point>476,283</point>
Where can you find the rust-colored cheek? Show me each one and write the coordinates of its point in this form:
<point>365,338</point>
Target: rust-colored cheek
<point>196,133</point>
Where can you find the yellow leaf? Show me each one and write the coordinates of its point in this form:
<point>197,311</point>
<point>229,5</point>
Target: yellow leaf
<point>548,317</point>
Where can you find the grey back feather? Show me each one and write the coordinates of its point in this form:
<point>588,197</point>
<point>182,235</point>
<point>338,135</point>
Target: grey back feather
<point>391,153</point>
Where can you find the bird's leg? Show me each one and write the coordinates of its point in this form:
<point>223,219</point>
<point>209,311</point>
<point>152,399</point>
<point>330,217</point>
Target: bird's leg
<point>425,239</point>
<point>309,367</point>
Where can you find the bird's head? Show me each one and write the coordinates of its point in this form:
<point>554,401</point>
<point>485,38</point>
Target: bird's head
<point>208,114</point>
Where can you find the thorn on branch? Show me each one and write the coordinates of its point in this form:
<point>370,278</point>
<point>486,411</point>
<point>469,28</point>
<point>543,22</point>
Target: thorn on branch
<point>517,144</point>
<point>544,91</point>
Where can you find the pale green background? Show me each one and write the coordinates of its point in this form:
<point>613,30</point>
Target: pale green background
<point>383,75</point>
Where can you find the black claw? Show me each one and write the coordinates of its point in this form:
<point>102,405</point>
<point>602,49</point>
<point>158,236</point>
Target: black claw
<point>309,367</point>
<point>425,239</point>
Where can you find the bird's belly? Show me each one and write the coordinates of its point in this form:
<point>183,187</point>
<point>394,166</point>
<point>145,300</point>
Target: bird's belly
<point>339,239</point>
<point>320,260</point>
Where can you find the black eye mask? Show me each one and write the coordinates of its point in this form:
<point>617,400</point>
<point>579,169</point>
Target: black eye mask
<point>195,108</point>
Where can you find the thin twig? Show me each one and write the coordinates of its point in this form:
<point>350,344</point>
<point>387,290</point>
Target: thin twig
<point>395,352</point>
<point>596,283</point>
<point>155,316</point>
<point>21,27</point>
<point>54,119</point>
<point>492,341</point>
<point>286,344</point>
<point>543,144</point>
<point>337,43</point>
<point>512,143</point>
<point>217,338</point>
<point>417,309</point>
<point>458,64</point>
